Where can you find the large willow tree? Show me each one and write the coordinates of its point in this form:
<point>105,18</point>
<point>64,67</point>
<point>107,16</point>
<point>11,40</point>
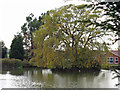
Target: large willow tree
<point>69,38</point>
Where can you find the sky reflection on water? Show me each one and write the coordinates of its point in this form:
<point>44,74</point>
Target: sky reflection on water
<point>36,78</point>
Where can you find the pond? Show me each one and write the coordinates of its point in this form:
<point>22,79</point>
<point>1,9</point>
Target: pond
<point>45,78</point>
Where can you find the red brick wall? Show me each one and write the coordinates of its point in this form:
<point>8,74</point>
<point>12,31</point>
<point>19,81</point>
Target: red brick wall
<point>111,55</point>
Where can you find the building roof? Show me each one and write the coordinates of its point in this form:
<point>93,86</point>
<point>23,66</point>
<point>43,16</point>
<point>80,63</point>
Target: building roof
<point>117,53</point>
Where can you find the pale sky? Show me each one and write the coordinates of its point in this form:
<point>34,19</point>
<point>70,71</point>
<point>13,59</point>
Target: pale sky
<point>13,14</point>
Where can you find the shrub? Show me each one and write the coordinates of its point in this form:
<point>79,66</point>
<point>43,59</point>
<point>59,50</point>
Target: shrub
<point>95,65</point>
<point>26,64</point>
<point>11,63</point>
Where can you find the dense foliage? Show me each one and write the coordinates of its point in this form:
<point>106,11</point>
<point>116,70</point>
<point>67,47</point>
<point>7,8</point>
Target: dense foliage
<point>68,37</point>
<point>3,50</point>
<point>16,48</point>
<point>14,63</point>
<point>11,63</point>
<point>32,24</point>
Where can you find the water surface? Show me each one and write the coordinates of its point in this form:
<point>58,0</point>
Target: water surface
<point>38,78</point>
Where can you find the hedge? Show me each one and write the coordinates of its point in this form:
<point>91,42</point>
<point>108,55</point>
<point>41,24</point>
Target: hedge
<point>14,63</point>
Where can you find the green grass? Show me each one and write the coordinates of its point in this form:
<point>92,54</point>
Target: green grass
<point>109,66</point>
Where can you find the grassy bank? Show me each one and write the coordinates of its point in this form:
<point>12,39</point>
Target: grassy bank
<point>110,66</point>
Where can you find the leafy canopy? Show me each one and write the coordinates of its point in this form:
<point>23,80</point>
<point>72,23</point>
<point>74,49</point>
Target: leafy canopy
<point>68,37</point>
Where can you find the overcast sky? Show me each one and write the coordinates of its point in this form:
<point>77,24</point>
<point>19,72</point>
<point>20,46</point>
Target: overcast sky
<point>13,14</point>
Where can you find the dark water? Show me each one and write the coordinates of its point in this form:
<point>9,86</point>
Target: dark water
<point>37,78</point>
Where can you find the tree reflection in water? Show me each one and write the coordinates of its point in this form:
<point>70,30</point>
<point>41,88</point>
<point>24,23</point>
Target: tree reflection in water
<point>36,78</point>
